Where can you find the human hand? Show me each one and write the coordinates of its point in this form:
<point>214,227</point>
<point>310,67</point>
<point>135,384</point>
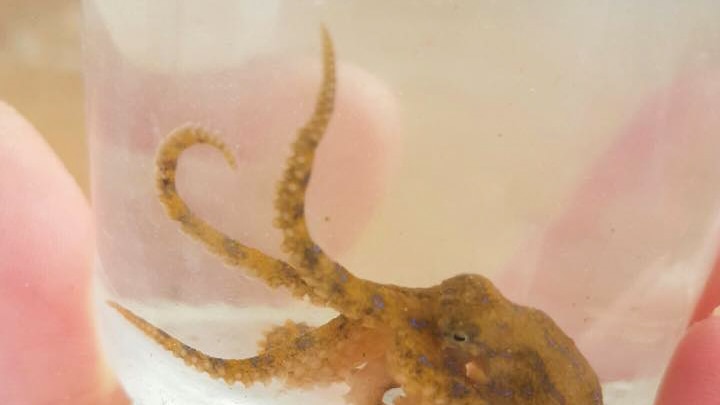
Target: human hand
<point>50,353</point>
<point>693,376</point>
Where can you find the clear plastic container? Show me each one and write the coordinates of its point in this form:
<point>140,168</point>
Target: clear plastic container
<point>567,152</point>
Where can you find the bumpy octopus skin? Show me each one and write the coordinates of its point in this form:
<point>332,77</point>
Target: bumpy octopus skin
<point>457,343</point>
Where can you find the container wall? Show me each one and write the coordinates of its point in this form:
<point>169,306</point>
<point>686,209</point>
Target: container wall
<point>566,152</point>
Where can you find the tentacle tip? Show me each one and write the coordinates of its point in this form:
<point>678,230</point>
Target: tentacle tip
<point>326,38</point>
<point>119,308</point>
<point>230,159</point>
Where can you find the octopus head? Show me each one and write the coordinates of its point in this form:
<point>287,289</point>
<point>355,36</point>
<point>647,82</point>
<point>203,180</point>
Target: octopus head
<point>472,314</point>
<point>505,353</point>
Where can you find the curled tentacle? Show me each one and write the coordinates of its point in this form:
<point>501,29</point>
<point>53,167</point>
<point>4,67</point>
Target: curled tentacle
<point>272,271</point>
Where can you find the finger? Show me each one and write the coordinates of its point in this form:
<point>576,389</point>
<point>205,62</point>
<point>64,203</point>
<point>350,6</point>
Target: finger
<point>48,350</point>
<point>693,376</point>
<point>710,297</point>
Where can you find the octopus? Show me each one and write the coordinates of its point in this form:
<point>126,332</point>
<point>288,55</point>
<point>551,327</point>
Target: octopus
<point>460,342</point>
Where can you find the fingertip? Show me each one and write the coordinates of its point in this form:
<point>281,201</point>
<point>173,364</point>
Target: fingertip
<point>693,376</point>
<point>44,217</point>
<point>710,298</point>
<point>50,354</point>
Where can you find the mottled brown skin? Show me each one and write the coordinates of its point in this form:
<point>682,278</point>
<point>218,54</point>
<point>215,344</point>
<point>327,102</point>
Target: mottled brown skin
<point>457,343</point>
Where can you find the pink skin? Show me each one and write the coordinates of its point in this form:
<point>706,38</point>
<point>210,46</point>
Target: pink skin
<point>49,349</point>
<point>693,376</point>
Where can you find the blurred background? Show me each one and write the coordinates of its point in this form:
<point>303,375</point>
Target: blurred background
<point>40,64</point>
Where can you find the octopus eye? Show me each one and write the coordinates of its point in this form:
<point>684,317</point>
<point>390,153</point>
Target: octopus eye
<point>460,337</point>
